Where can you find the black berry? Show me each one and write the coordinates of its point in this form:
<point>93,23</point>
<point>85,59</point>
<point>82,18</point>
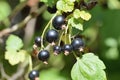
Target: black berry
<point>77,43</point>
<point>58,22</point>
<point>33,74</point>
<point>52,9</point>
<point>43,55</point>
<point>38,41</point>
<point>52,36</point>
<point>56,49</point>
<point>67,48</point>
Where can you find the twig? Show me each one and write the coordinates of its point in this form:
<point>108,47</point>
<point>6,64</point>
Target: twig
<point>19,72</point>
<point>3,74</point>
<point>22,24</point>
<point>30,27</point>
<point>17,9</point>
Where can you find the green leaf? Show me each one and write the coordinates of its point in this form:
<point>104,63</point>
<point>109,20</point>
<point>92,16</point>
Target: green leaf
<point>76,23</point>
<point>65,5</point>
<point>83,14</point>
<point>5,10</point>
<point>13,43</point>
<point>89,67</point>
<point>15,57</point>
<point>76,13</point>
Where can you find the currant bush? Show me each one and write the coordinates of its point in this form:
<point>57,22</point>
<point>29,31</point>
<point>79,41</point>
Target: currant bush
<point>56,40</point>
<point>59,30</point>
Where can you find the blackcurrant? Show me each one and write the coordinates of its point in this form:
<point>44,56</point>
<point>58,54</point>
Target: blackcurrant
<point>38,41</point>
<point>52,36</point>
<point>56,50</point>
<point>52,9</point>
<point>43,55</point>
<point>77,43</point>
<point>33,74</point>
<point>58,22</point>
<point>67,48</point>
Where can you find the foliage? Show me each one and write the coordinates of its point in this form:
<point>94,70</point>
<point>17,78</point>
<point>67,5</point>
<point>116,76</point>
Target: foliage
<point>98,28</point>
<point>65,5</point>
<point>89,67</point>
<point>13,54</point>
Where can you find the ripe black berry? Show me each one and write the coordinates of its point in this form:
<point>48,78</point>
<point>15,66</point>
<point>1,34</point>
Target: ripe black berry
<point>43,55</point>
<point>52,9</point>
<point>56,50</point>
<point>52,36</point>
<point>67,49</point>
<point>58,22</point>
<point>38,41</point>
<point>77,43</point>
<point>33,74</point>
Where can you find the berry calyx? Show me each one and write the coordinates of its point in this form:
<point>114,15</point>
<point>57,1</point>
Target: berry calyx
<point>52,36</point>
<point>59,22</point>
<point>56,50</point>
<point>52,9</point>
<point>43,55</point>
<point>38,41</point>
<point>67,49</point>
<point>77,43</point>
<point>33,75</point>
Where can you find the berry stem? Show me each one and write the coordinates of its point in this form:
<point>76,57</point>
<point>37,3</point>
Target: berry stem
<point>30,63</point>
<point>75,55</point>
<point>70,32</point>
<point>66,34</point>
<point>60,37</point>
<point>42,46</point>
<point>37,67</point>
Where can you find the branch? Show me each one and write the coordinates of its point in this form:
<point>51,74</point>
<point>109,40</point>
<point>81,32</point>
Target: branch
<point>22,24</point>
<point>30,27</point>
<point>17,9</point>
<point>19,71</point>
<point>3,74</point>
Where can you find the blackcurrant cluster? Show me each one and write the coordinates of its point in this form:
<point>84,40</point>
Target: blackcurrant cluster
<point>76,45</point>
<point>52,37</point>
